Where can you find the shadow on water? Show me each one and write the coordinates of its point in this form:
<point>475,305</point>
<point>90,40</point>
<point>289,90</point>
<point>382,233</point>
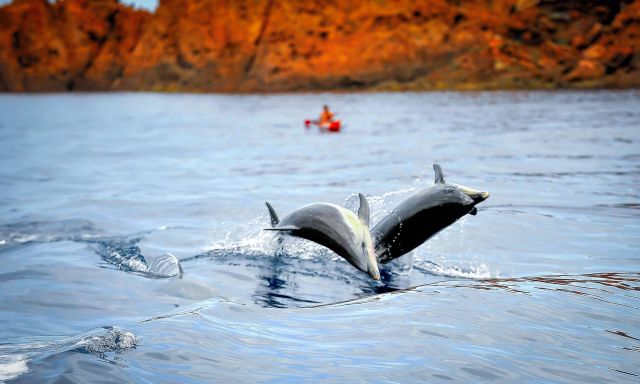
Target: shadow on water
<point>282,279</point>
<point>273,285</point>
<point>274,290</point>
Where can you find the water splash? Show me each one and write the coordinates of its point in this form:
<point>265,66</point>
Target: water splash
<point>447,254</point>
<point>249,239</point>
<point>47,231</point>
<point>380,205</point>
<point>467,272</point>
<point>107,344</point>
<point>12,366</point>
<point>127,256</point>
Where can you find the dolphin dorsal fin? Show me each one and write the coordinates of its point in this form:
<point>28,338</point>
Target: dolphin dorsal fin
<point>439,178</point>
<point>274,216</point>
<point>363,211</point>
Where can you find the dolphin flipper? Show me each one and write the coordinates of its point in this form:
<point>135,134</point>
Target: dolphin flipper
<point>363,211</point>
<point>439,178</point>
<point>274,216</point>
<point>282,228</point>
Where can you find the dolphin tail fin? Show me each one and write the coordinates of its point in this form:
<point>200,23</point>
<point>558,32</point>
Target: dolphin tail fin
<point>274,216</point>
<point>363,211</point>
<point>439,178</point>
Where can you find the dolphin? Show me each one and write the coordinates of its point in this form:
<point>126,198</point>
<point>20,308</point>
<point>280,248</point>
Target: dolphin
<point>334,227</point>
<point>423,215</point>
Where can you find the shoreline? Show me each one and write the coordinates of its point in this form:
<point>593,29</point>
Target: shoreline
<point>381,89</point>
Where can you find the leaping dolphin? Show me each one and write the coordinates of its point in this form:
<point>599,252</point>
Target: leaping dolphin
<point>334,227</point>
<point>423,215</point>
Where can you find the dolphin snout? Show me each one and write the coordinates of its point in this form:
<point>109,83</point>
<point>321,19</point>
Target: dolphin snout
<point>374,272</point>
<point>369,254</point>
<point>372,263</point>
<point>367,262</point>
<point>476,196</point>
<point>482,196</point>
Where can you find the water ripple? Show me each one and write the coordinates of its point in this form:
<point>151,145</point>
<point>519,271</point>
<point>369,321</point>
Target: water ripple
<point>107,344</point>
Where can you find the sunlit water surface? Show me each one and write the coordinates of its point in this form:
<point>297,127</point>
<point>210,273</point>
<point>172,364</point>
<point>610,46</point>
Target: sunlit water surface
<point>542,285</point>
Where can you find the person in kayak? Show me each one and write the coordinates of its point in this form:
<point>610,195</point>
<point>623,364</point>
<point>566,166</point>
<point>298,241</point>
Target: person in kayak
<point>326,116</point>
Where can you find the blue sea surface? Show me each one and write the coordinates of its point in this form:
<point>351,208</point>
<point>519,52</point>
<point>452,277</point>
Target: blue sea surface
<point>132,249</point>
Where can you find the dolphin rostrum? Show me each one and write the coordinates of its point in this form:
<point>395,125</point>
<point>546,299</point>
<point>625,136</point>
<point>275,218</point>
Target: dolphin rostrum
<point>423,215</point>
<point>334,227</point>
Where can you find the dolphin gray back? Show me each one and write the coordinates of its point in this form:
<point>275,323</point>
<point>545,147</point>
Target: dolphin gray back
<point>336,228</point>
<point>323,224</point>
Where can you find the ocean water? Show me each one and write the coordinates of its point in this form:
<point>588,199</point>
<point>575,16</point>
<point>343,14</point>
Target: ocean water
<point>132,250</point>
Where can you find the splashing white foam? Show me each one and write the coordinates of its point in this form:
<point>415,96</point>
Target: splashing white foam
<point>451,254</point>
<point>470,272</point>
<point>447,254</point>
<point>12,366</point>
<point>22,238</point>
<point>165,265</point>
<point>113,340</point>
<point>250,239</point>
<point>267,244</point>
<point>130,263</point>
<point>380,205</point>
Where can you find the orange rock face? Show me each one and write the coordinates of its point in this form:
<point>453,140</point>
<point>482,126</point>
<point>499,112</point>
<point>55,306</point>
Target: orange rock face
<point>285,45</point>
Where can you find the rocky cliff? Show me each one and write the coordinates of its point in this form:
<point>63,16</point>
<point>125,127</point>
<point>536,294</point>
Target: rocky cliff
<point>284,45</point>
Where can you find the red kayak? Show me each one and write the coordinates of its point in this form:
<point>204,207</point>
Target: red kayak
<point>331,126</point>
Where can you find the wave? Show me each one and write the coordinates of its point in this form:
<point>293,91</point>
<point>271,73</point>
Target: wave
<point>120,251</point>
<point>127,256</point>
<point>106,343</point>
<point>469,272</point>
<point>594,297</point>
<point>47,231</point>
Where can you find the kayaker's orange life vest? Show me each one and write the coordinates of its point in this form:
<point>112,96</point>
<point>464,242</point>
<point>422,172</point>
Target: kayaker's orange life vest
<point>326,116</point>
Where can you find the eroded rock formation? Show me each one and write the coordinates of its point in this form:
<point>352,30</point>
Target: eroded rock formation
<point>283,45</point>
